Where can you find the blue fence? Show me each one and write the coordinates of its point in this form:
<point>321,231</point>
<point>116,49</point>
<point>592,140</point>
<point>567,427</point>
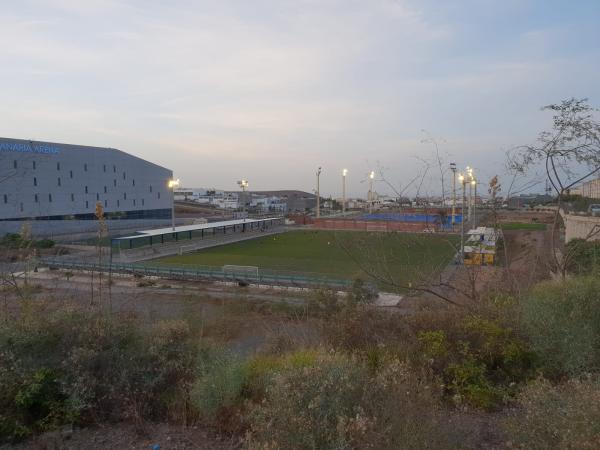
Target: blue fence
<point>425,218</point>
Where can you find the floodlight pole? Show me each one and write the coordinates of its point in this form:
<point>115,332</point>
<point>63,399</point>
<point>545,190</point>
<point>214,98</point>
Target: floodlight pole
<point>318,193</point>
<point>462,221</point>
<point>172,185</point>
<point>371,176</point>
<point>474,183</point>
<point>344,173</point>
<point>453,169</point>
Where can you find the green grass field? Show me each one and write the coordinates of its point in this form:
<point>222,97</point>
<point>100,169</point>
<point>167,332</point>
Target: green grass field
<point>523,226</point>
<point>405,257</point>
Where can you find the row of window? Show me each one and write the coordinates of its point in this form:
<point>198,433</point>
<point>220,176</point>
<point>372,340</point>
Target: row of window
<point>85,167</point>
<point>36,199</point>
<point>59,182</point>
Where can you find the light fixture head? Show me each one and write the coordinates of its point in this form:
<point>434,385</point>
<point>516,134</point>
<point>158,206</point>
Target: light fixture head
<point>461,177</point>
<point>344,172</point>
<point>372,174</point>
<point>173,183</point>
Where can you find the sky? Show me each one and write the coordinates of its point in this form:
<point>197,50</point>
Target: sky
<point>269,90</point>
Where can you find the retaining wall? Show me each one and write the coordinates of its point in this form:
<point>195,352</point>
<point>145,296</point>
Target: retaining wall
<point>581,227</point>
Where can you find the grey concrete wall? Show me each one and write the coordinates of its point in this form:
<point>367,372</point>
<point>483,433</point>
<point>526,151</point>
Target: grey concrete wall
<point>581,227</point>
<point>74,230</point>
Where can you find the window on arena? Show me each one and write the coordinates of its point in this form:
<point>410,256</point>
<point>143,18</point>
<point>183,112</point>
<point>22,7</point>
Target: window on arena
<point>105,203</point>
<point>105,190</point>
<point>5,198</point>
<point>133,182</point>
<point>35,198</point>
<point>59,181</point>
<point>15,164</point>
<point>97,197</point>
<point>85,167</point>
<point>124,195</point>
<point>70,173</point>
<point>115,183</point>
<point>72,197</point>
<point>57,166</point>
<point>87,205</point>
<point>114,169</point>
<point>33,165</point>
<point>118,203</point>
<point>50,198</point>
<point>104,167</point>
<point>21,206</point>
<point>134,202</point>
<point>124,175</point>
<point>34,181</point>
<point>150,188</point>
<point>86,189</point>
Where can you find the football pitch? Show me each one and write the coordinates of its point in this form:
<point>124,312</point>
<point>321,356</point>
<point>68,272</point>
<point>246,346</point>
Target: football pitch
<point>340,254</point>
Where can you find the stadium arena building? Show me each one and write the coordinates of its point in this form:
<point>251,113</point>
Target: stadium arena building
<point>57,187</point>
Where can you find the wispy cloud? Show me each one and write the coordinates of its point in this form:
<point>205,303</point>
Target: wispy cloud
<point>212,89</point>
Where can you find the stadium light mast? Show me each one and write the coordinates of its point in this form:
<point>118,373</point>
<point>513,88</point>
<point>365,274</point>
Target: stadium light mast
<point>468,179</point>
<point>474,184</point>
<point>172,185</point>
<point>344,173</point>
<point>453,169</point>
<point>462,180</point>
<point>371,176</point>
<point>244,185</point>
<point>318,193</point>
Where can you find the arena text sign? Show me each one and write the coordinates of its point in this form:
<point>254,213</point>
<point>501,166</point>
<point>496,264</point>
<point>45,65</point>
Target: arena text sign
<point>29,148</point>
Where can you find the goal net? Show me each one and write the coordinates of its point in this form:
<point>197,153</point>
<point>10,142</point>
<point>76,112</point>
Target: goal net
<point>248,271</point>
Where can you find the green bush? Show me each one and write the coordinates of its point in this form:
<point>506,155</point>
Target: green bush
<point>564,416</point>
<point>220,386</point>
<point>562,320</point>
<point>583,257</point>
<point>72,367</point>
<point>481,363</point>
<point>43,243</point>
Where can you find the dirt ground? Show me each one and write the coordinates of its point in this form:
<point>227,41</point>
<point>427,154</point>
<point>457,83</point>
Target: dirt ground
<point>122,436</point>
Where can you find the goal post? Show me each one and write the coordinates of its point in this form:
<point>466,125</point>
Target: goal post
<point>248,271</point>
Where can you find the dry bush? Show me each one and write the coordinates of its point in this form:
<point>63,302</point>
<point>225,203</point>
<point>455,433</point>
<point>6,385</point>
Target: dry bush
<point>334,402</point>
<point>564,416</point>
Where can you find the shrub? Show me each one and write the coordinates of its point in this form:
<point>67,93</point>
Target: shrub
<point>335,403</point>
<point>562,320</point>
<point>583,256</point>
<point>43,243</point>
<point>222,379</point>
<point>480,364</point>
<point>565,416</point>
<point>72,367</point>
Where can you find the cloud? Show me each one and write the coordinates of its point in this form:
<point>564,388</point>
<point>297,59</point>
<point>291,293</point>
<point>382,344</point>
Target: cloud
<point>212,89</point>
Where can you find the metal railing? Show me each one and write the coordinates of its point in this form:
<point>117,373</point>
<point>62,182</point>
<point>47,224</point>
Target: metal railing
<point>206,273</point>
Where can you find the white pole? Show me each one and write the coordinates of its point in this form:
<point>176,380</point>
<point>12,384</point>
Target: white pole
<point>453,197</point>
<point>344,173</point>
<point>173,209</point>
<point>318,194</point>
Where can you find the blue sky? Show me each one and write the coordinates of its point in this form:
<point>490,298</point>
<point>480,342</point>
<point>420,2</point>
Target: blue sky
<point>270,90</point>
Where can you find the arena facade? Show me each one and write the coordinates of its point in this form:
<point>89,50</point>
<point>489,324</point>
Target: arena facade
<point>50,182</point>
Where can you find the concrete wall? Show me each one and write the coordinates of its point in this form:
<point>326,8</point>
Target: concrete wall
<point>371,225</point>
<point>581,227</point>
<point>74,230</point>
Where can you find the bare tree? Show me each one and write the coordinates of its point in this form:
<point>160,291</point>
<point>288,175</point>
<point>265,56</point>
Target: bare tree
<point>441,163</point>
<point>569,153</point>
